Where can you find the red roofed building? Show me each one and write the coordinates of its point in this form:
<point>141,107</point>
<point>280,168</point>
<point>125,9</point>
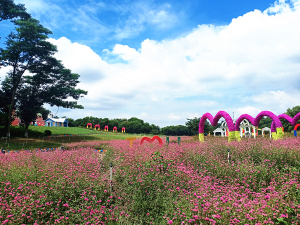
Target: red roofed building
<point>16,121</point>
<point>39,121</point>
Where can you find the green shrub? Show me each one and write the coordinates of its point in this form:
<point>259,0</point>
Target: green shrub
<point>47,132</point>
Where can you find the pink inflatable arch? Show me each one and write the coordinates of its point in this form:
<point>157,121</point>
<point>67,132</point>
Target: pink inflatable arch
<point>123,129</point>
<point>214,122</point>
<point>255,122</point>
<point>292,121</point>
<point>97,126</point>
<point>240,119</point>
<point>106,128</point>
<point>234,129</point>
<point>151,140</point>
<point>271,115</point>
<point>89,124</point>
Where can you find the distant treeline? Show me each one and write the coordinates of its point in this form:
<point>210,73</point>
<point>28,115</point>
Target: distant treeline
<point>132,125</point>
<point>137,126</point>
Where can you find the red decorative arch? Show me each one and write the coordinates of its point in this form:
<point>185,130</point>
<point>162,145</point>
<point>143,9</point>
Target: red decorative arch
<point>89,125</point>
<point>151,140</point>
<point>106,128</point>
<point>123,129</point>
<point>295,129</point>
<point>97,127</point>
<point>115,129</point>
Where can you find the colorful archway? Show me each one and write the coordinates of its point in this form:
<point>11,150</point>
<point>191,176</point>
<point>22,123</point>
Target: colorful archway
<point>295,129</point>
<point>89,125</point>
<point>106,128</point>
<point>97,127</point>
<point>238,122</point>
<point>151,140</point>
<point>255,121</point>
<point>278,126</point>
<point>123,129</point>
<point>214,122</point>
<point>234,129</point>
<point>115,129</point>
<point>292,121</point>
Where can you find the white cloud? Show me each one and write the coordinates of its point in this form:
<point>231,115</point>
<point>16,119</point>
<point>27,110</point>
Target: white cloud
<point>250,65</point>
<point>142,15</point>
<point>172,116</point>
<point>277,101</point>
<point>81,59</point>
<point>89,19</point>
<point>252,111</point>
<point>125,52</point>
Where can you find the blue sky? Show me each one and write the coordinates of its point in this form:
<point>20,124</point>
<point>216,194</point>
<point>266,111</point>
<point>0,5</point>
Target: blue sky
<point>165,61</point>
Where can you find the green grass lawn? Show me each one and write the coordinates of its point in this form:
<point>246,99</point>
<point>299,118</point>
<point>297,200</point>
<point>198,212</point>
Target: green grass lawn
<point>37,139</point>
<point>65,130</point>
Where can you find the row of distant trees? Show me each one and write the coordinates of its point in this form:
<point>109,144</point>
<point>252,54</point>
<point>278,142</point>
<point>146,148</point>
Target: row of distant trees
<point>135,125</point>
<point>266,122</point>
<point>132,125</point>
<point>27,51</point>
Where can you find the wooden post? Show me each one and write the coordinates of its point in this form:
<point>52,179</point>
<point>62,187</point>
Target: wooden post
<point>131,140</point>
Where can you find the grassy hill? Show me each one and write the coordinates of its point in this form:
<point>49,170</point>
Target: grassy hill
<point>37,138</point>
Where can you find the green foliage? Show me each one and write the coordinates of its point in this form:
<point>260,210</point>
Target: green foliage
<point>265,122</point>
<point>193,126</point>
<point>45,113</point>
<point>291,112</point>
<point>162,163</point>
<point>47,132</point>
<point>9,10</point>
<point>27,50</point>
<point>71,122</point>
<point>18,131</point>
<point>132,125</point>
<point>178,130</point>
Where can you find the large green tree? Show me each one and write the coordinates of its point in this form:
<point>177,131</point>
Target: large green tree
<point>291,112</point>
<point>9,10</point>
<point>265,122</point>
<point>52,85</point>
<point>27,50</point>
<point>193,126</point>
<point>5,98</point>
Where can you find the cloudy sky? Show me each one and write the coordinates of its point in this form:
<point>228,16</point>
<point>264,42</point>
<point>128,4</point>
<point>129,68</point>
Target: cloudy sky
<point>165,61</point>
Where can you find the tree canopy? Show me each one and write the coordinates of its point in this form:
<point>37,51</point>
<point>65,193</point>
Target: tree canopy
<point>9,10</point>
<point>27,50</point>
<point>291,112</point>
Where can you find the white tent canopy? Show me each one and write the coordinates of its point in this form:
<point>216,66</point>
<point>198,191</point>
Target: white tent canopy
<point>266,129</point>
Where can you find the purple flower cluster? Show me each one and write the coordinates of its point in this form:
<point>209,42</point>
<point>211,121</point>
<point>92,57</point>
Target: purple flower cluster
<point>190,183</point>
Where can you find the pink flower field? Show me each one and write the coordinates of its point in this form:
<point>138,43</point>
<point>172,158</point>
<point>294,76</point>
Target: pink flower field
<point>190,183</point>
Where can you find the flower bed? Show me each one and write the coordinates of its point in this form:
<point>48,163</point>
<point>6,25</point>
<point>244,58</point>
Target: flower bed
<point>190,183</point>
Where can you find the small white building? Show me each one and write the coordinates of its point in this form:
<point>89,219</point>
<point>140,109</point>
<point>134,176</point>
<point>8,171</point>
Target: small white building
<point>244,125</point>
<point>219,130</point>
<point>52,122</point>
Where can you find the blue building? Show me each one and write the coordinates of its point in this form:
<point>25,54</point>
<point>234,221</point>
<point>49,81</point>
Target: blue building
<point>52,122</point>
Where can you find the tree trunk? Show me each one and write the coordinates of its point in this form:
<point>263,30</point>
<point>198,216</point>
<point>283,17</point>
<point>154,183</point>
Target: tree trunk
<point>26,130</point>
<point>10,111</point>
